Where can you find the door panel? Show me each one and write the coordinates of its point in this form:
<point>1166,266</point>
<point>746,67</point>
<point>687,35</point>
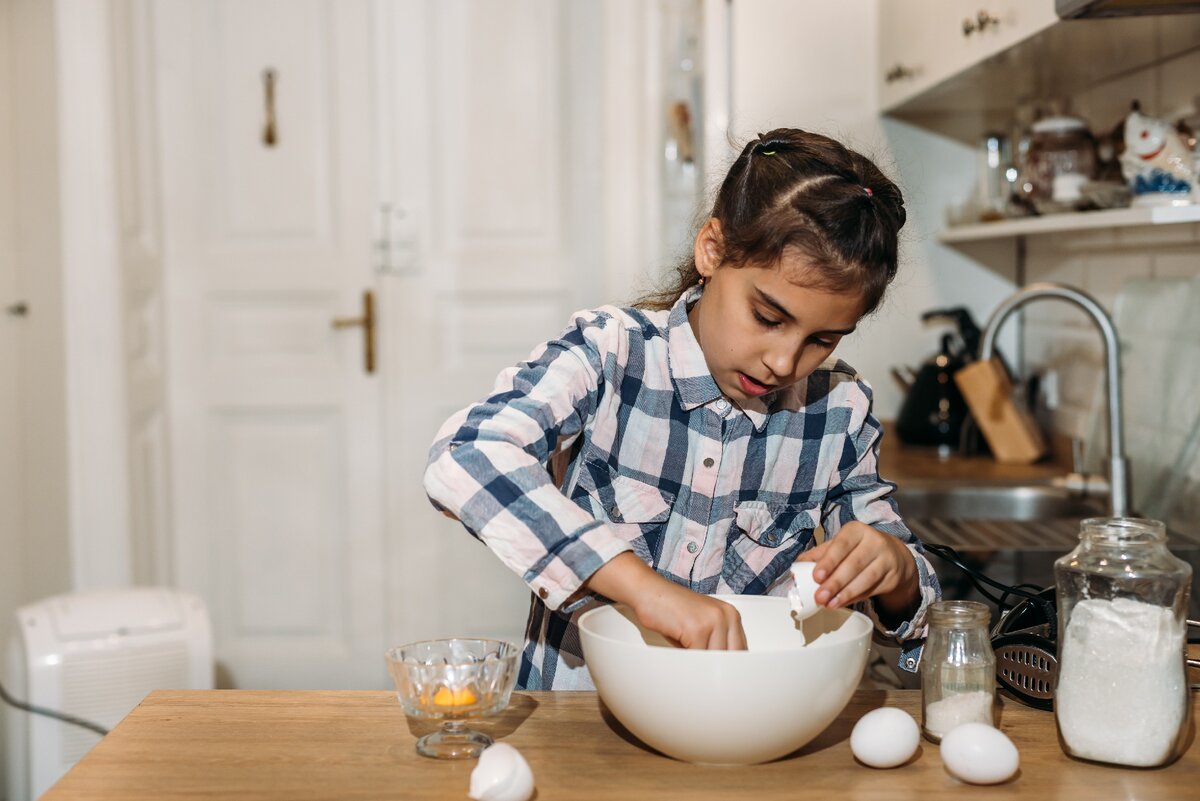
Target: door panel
<point>461,120</point>
<point>480,146</point>
<point>275,428</point>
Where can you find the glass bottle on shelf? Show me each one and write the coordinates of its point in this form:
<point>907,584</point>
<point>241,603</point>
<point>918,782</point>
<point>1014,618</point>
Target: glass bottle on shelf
<point>958,668</point>
<point>1121,691</point>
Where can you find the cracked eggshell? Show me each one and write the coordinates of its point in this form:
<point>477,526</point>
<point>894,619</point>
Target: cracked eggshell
<point>501,774</point>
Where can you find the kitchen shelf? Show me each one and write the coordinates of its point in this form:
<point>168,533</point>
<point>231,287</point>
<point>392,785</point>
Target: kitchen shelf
<point>1082,221</point>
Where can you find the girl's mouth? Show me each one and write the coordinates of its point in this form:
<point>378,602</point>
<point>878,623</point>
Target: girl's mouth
<point>752,387</point>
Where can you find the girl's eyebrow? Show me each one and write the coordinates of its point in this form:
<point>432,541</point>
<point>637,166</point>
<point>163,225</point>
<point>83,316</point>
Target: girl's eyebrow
<point>777,306</point>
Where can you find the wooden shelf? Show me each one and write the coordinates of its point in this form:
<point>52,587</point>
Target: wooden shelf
<point>1057,223</point>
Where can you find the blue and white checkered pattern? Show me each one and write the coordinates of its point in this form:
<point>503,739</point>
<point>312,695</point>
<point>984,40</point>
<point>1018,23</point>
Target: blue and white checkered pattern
<point>717,498</point>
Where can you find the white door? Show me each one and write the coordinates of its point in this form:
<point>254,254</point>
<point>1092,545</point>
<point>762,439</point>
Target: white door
<point>277,471</point>
<point>474,129</point>
<point>489,154</point>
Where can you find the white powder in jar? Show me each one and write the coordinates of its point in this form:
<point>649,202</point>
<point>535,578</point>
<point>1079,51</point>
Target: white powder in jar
<point>1121,694</point>
<point>971,707</point>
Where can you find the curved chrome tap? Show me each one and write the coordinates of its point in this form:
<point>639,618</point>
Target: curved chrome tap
<point>1118,466</point>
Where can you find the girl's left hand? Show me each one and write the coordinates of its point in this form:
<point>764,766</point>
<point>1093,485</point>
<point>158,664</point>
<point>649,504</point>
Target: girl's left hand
<point>861,562</point>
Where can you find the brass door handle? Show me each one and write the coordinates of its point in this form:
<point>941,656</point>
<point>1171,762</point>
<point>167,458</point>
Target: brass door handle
<point>367,323</point>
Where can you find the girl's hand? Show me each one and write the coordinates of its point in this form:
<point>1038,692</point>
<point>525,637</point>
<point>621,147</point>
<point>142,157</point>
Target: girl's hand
<point>861,562</point>
<point>687,619</point>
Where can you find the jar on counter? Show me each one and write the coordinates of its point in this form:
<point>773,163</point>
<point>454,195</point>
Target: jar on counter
<point>1121,691</point>
<point>958,668</point>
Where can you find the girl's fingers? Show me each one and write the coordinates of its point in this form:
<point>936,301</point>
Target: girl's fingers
<point>844,573</point>
<point>737,638</point>
<point>718,639</point>
<point>835,551</point>
<point>861,586</point>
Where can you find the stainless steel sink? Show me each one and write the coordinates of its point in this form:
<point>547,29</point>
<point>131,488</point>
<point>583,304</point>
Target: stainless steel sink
<point>1036,502</point>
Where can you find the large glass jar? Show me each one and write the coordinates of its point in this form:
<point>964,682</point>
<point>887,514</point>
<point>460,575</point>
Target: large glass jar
<point>1060,160</point>
<point>1121,692</point>
<point>958,668</point>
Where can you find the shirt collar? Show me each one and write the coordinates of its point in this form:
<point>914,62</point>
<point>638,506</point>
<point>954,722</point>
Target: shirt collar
<point>694,384</point>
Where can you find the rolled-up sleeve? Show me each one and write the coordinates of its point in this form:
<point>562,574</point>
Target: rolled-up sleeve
<point>487,465</point>
<point>858,493</point>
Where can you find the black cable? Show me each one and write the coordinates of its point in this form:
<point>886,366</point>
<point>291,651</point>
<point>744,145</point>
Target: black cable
<point>950,555</point>
<point>37,710</point>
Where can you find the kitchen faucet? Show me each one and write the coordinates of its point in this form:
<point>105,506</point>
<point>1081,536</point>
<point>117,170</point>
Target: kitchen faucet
<point>1118,465</point>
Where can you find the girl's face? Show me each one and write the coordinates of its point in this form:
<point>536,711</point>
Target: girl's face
<point>761,328</point>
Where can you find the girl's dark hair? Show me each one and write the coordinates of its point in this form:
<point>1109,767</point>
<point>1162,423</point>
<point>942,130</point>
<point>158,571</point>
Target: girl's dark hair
<point>791,189</point>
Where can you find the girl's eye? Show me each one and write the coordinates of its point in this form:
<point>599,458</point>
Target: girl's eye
<point>824,343</point>
<point>765,321</point>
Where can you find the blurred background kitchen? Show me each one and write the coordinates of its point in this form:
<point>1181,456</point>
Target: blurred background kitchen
<point>252,253</point>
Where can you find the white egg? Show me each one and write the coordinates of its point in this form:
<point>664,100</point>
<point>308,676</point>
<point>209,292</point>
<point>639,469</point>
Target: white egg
<point>502,774</point>
<point>885,737</point>
<point>979,754</point>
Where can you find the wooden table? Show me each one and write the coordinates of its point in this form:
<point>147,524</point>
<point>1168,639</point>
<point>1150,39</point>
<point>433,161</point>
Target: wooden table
<point>238,744</point>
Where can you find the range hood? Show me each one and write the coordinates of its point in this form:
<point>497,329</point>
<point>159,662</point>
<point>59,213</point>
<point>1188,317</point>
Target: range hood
<point>1091,9</point>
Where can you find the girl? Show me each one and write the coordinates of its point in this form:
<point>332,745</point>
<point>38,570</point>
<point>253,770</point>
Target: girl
<point>705,432</point>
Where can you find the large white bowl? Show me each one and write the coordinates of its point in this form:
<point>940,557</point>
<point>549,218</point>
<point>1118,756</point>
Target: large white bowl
<point>728,707</point>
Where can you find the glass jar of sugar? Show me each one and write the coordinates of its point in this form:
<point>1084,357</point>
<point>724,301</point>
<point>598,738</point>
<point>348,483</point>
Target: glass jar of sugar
<point>958,668</point>
<point>1121,691</point>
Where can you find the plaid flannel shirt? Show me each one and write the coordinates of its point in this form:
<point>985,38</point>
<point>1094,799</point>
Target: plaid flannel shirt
<point>714,497</point>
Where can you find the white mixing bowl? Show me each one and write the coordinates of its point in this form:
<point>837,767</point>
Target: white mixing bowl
<point>728,707</point>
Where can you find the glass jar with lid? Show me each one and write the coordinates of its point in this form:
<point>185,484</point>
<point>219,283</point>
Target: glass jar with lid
<point>1061,158</point>
<point>958,668</point>
<point>1121,691</point>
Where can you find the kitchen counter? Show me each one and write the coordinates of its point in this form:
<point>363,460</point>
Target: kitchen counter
<point>239,744</point>
<point>914,465</point>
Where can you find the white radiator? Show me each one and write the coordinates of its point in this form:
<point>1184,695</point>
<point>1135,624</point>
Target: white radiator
<point>95,656</point>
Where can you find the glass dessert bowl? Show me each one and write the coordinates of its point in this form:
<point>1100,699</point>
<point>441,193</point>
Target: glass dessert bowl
<point>453,681</point>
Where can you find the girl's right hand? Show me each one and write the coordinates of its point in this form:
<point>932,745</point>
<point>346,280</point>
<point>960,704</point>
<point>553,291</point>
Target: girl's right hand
<point>690,620</point>
<point>686,618</point>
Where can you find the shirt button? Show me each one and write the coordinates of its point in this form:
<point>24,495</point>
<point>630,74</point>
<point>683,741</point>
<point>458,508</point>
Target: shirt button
<point>614,512</point>
<point>722,405</point>
<point>542,593</point>
<point>692,547</point>
<point>709,462</point>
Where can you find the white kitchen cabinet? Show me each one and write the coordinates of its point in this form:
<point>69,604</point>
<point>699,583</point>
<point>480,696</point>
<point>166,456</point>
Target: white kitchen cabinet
<point>926,42</point>
<point>934,75</point>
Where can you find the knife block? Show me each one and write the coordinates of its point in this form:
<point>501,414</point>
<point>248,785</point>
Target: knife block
<point>1008,427</point>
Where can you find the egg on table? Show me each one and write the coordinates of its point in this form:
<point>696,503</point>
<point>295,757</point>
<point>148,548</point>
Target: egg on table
<point>885,737</point>
<point>979,754</point>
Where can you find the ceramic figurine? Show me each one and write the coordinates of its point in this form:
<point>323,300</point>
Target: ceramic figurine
<point>1157,163</point>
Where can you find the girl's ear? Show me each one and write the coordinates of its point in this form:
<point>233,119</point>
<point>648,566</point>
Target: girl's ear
<point>709,249</point>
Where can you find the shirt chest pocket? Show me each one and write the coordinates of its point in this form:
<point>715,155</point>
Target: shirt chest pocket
<point>638,512</point>
<point>775,525</point>
<point>631,501</point>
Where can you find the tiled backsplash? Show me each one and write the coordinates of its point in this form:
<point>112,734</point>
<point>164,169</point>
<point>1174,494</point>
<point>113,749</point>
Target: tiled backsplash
<point>1149,281</point>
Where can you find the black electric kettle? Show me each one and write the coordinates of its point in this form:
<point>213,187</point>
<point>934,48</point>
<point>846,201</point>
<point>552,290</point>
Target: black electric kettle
<point>934,411</point>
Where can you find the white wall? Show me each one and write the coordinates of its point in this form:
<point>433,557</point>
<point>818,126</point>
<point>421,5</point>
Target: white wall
<point>34,191</point>
<point>11,495</point>
<point>33,535</point>
<point>814,65</point>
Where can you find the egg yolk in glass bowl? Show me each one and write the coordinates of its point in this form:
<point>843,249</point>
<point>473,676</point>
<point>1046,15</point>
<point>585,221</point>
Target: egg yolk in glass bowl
<point>446,697</point>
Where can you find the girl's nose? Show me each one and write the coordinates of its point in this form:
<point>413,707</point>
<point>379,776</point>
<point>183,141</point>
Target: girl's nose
<point>782,361</point>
